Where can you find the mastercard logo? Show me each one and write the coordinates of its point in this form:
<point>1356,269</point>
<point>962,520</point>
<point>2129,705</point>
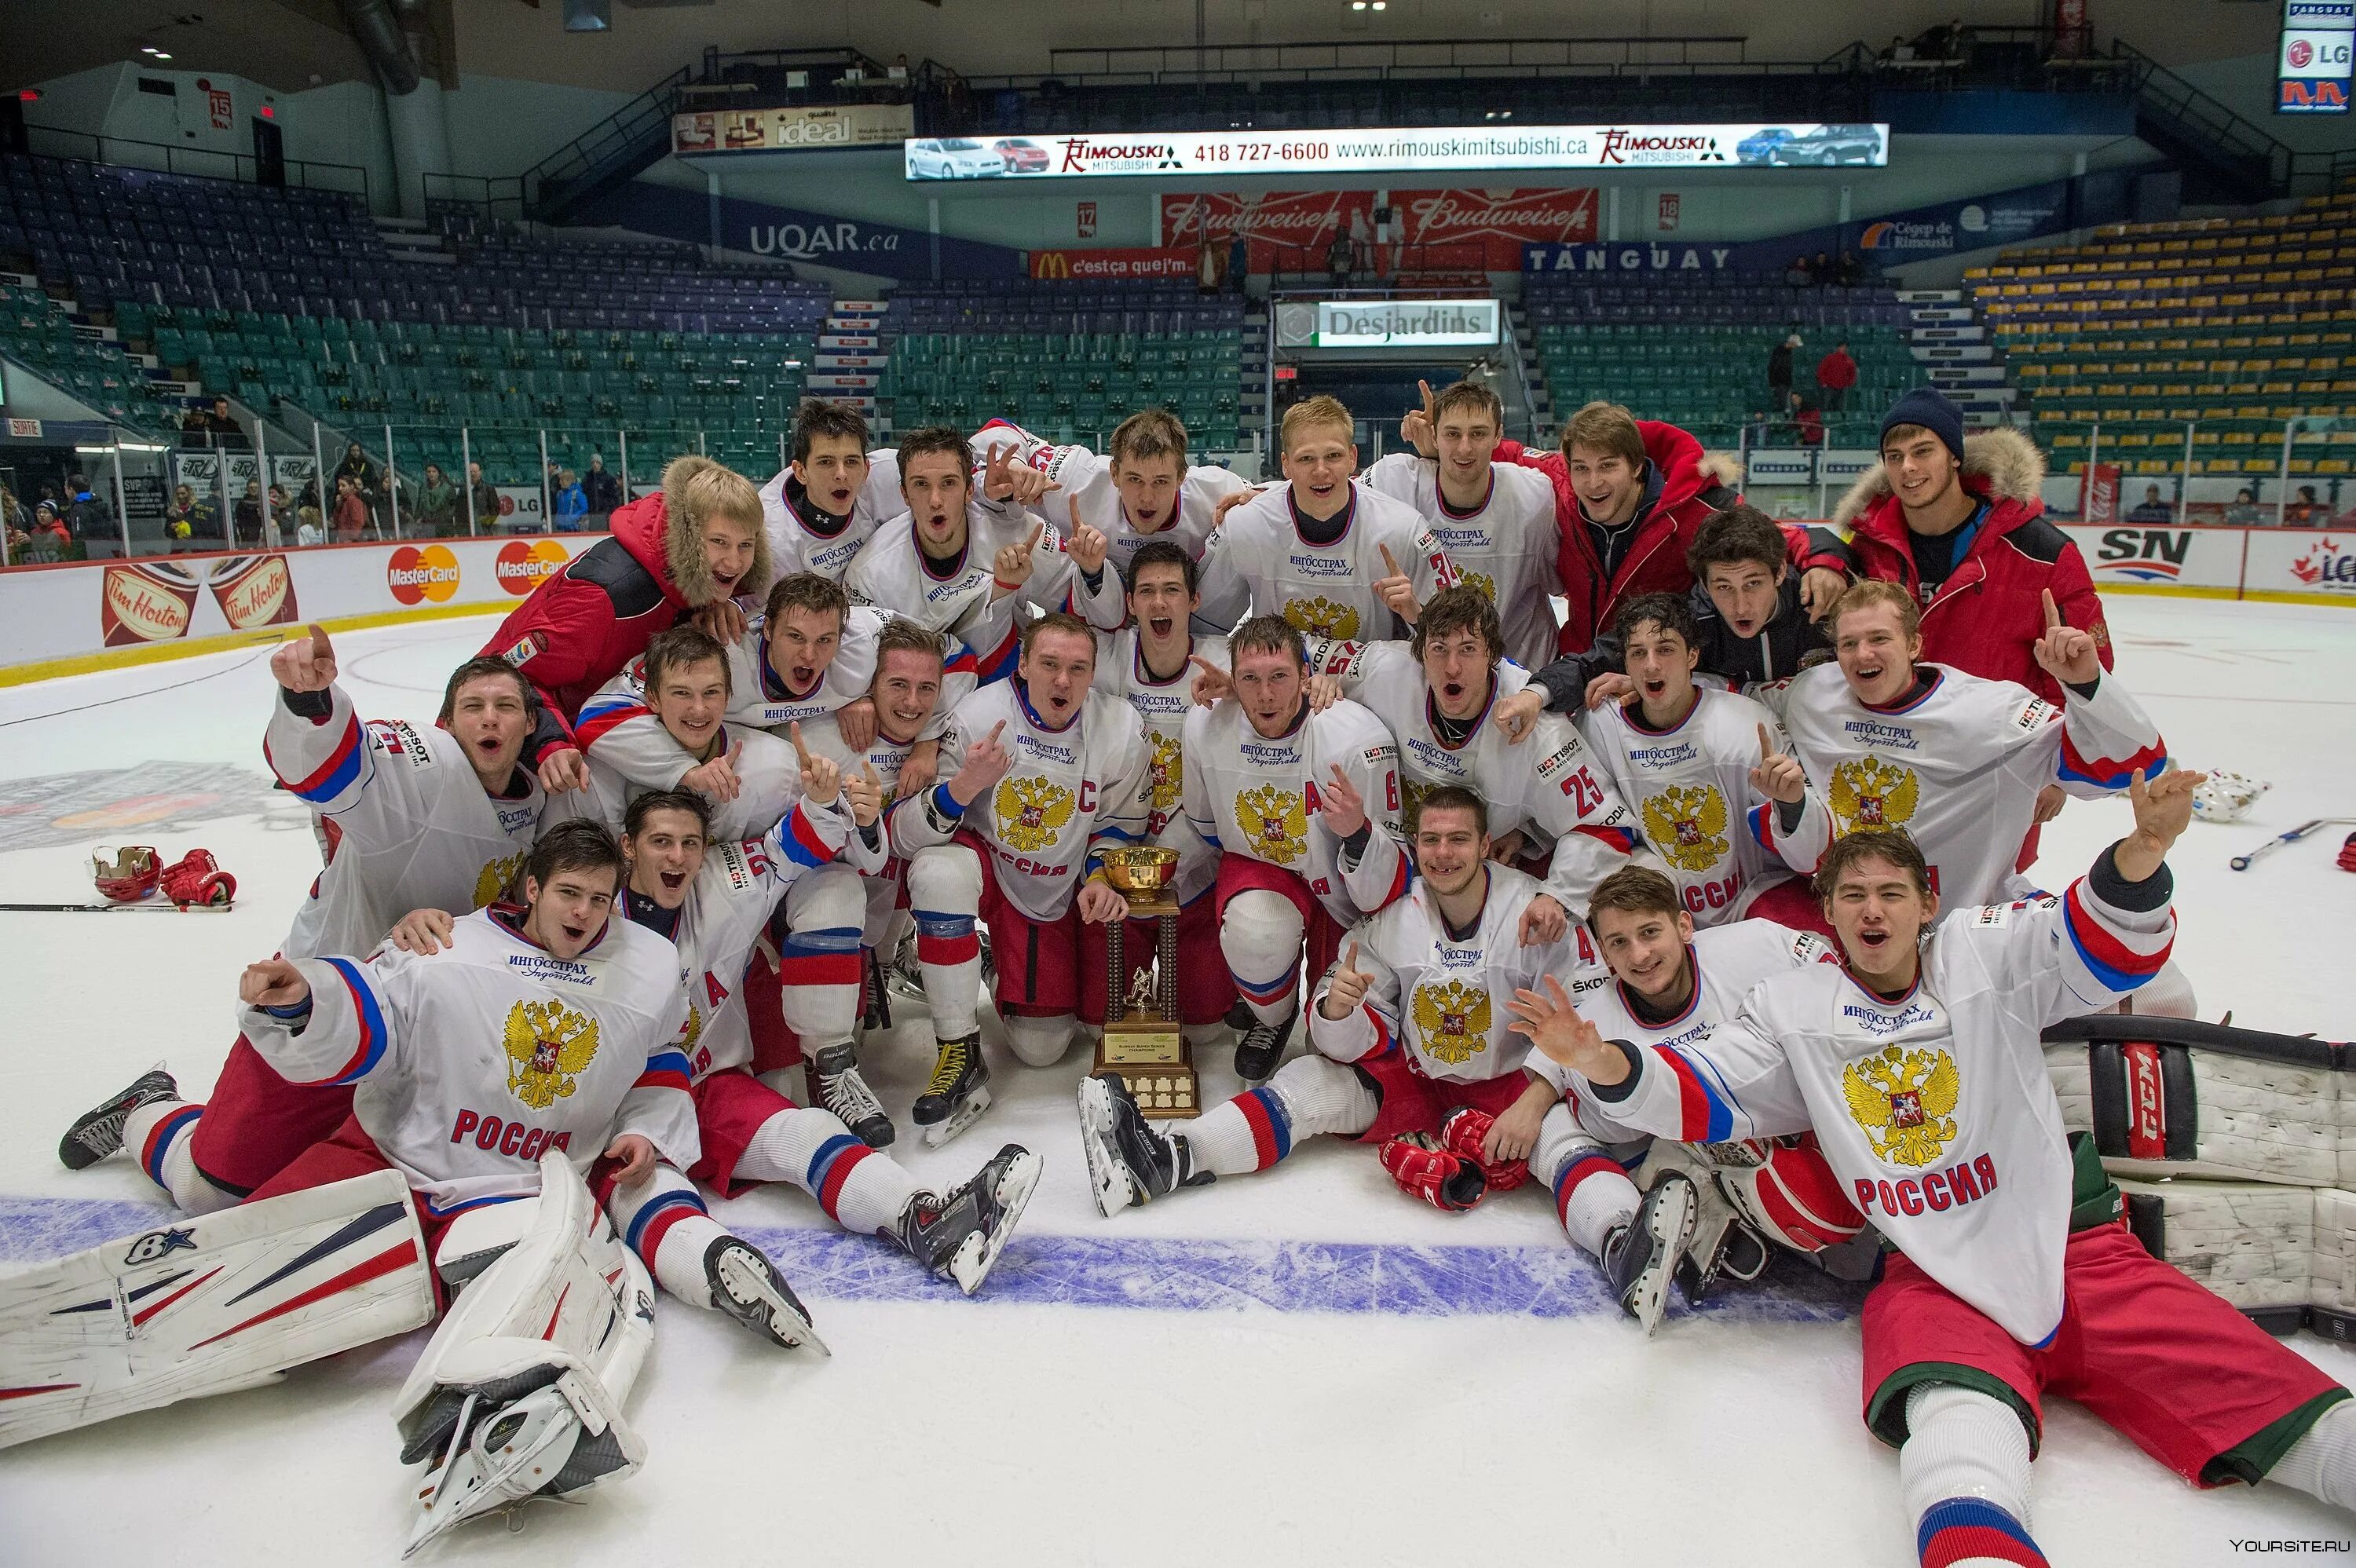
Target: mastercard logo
<point>524,564</point>
<point>417,575</point>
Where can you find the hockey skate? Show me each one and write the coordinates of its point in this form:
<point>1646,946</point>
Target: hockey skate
<point>906,975</point>
<point>875,999</point>
<point>834,1074</point>
<point>99,1131</point>
<point>1723,1246</point>
<point>1130,1161</point>
<point>1640,1257</point>
<point>958,1093</point>
<point>1441,1177</point>
<point>748,1286</point>
<point>961,1235</point>
<point>1260,1047</point>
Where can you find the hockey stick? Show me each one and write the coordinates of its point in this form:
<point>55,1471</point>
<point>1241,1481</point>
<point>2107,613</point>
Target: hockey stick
<point>2241,862</point>
<point>165,904</point>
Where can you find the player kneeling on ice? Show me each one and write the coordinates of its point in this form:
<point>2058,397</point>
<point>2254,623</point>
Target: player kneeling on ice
<point>1412,1050</point>
<point>1713,1208</point>
<point>712,901</point>
<point>538,1048</point>
<point>2011,1272</point>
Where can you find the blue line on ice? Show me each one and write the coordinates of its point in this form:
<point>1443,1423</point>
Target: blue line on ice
<point>1166,1275</point>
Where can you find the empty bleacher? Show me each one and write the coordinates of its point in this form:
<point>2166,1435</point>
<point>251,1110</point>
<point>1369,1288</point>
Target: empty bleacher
<point>2228,328</point>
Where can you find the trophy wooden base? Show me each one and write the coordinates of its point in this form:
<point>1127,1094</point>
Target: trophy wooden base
<point>1151,1057</point>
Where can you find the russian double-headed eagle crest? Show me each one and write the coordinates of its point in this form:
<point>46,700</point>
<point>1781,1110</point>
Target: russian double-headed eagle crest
<point>1905,1101</point>
<point>1168,776</point>
<point>1276,821</point>
<point>1688,824</point>
<point>1320,617</point>
<point>491,883</point>
<point>1869,793</point>
<point>1453,1019</point>
<point>1481,581</point>
<point>548,1045</point>
<point>1031,812</point>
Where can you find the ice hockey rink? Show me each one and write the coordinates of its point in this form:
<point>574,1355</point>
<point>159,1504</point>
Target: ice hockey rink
<point>1300,1367</point>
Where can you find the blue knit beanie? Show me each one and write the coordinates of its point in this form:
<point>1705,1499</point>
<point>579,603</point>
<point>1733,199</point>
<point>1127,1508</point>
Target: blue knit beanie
<point>1934,411</point>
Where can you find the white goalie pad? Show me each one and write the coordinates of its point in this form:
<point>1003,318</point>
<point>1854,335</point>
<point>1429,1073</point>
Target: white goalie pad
<point>203,1305</point>
<point>2278,1253</point>
<point>2177,1097</point>
<point>519,1394</point>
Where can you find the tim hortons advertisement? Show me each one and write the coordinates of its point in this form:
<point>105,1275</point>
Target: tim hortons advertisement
<point>1183,154</point>
<point>1113,263</point>
<point>1499,221</point>
<point>56,611</point>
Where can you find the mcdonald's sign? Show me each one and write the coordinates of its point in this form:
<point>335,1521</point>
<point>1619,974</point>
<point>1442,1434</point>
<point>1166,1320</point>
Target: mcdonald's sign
<point>1092,266</point>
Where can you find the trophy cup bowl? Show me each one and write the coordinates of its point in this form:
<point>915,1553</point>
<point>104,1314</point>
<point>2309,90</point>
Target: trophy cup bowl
<point>1139,873</point>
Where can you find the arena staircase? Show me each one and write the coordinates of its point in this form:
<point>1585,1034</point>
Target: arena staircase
<point>849,364</point>
<point>1953,347</point>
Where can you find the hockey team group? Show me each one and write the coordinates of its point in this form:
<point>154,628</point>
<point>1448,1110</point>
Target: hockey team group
<point>1614,837</point>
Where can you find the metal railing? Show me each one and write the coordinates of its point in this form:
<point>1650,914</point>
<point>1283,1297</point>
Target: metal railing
<point>1373,60</point>
<point>2212,131</point>
<point>162,158</point>
<point>622,136</point>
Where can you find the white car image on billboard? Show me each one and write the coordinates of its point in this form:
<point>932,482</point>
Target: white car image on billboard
<point>954,158</point>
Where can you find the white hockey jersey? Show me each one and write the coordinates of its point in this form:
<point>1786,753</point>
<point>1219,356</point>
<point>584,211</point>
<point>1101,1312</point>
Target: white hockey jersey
<point>1934,1108</point>
<point>1728,961</point>
<point>795,546</point>
<point>1069,794</point>
<point>768,773</point>
<point>1689,788</point>
<point>1086,477</point>
<point>1504,547</point>
<point>412,825</point>
<point>1441,999</point>
<point>1958,767</point>
<point>1162,709</point>
<point>468,1064</point>
<point>1258,563</point>
<point>868,850</point>
<point>1549,787</point>
<point>1247,795</point>
<point>893,574</point>
<point>727,908</point>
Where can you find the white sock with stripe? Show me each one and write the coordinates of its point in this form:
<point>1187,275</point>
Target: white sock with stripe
<point>862,1191</point>
<point>1260,936</point>
<point>2322,1463</point>
<point>1592,1196</point>
<point>663,1220</point>
<point>159,1136</point>
<point>1964,1471</point>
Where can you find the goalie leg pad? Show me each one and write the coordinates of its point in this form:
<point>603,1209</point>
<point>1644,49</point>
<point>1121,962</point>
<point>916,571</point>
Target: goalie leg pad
<point>2177,1097</point>
<point>519,1394</point>
<point>2252,1243</point>
<point>207,1304</point>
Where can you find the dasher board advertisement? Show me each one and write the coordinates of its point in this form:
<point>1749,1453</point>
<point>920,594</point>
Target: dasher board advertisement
<point>1195,154</point>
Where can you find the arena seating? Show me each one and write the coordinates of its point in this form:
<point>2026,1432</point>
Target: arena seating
<point>962,354</point>
<point>2232,327</point>
<point>35,329</point>
<point>1694,352</point>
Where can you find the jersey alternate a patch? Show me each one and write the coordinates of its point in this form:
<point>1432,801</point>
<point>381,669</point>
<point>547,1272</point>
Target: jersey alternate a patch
<point>1258,563</point>
<point>469,1063</point>
<point>1505,547</point>
<point>1958,767</point>
<point>1690,789</point>
<point>1440,999</point>
<point>415,828</point>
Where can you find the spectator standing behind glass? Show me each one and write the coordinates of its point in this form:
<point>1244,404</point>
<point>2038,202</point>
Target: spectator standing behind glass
<point>1836,374</point>
<point>570,503</point>
<point>603,489</point>
<point>437,505</point>
<point>1778,373</point>
<point>188,515</point>
<point>351,519</point>
<point>51,540</point>
<point>486,498</point>
<point>2151,509</point>
<point>308,530</point>
<point>1807,422</point>
<point>247,515</point>
<point>357,468</point>
<point>273,523</point>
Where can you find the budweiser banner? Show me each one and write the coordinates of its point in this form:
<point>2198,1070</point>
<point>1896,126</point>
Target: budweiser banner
<point>1294,218</point>
<point>1499,221</point>
<point>1116,263</point>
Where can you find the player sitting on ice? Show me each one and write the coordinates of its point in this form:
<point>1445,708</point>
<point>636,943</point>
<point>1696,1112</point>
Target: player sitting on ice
<point>439,815</point>
<point>1551,802</point>
<point>1754,631</point>
<point>1150,665</point>
<point>821,507</point>
<point>1141,488</point>
<point>1046,774</point>
<point>1410,1046</point>
<point>1956,761</point>
<point>1294,801</point>
<point>1710,1211</point>
<point>694,544</point>
<point>748,775</point>
<point>805,1007</point>
<point>1704,769</point>
<point>812,654</point>
<point>968,564</point>
<point>2011,1273</point>
<point>1496,521</point>
<point>1333,556</point>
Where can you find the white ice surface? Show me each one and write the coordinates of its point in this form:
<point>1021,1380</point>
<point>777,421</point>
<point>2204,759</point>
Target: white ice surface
<point>1213,1428</point>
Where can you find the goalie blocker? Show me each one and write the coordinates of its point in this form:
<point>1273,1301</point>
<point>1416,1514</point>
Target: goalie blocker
<point>2234,1150</point>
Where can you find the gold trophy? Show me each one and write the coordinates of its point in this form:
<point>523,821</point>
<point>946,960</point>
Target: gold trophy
<point>1141,1039</point>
